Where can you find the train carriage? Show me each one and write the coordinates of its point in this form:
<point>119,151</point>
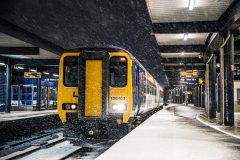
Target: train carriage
<point>102,86</point>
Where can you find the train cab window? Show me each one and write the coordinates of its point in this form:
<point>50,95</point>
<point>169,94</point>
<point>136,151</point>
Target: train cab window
<point>70,71</point>
<point>118,71</point>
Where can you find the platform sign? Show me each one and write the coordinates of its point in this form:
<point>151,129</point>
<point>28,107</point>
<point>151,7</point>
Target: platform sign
<point>32,75</point>
<point>188,74</point>
<point>190,80</point>
<point>200,81</point>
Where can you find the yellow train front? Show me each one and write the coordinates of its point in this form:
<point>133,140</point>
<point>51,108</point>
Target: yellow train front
<point>101,87</point>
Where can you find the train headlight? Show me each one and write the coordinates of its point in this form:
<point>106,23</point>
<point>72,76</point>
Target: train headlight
<point>69,106</point>
<point>114,107</point>
<point>119,107</point>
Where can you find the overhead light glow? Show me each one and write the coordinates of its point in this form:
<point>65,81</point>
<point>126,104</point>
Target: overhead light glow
<point>191,4</point>
<point>182,53</point>
<point>33,70</point>
<point>185,37</point>
<point>19,67</point>
<point>2,64</point>
<point>55,75</point>
<point>46,73</point>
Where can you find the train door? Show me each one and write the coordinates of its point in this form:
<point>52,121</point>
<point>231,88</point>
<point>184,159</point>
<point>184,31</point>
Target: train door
<point>93,84</point>
<point>138,89</point>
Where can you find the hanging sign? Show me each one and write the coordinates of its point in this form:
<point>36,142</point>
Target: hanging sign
<point>188,74</point>
<point>32,75</point>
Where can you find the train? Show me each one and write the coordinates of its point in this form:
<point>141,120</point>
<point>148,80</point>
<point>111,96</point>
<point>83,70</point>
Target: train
<point>99,87</point>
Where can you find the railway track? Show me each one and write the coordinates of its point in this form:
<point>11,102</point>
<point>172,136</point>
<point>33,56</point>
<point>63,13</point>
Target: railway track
<point>34,147</point>
<point>31,139</point>
<point>58,148</point>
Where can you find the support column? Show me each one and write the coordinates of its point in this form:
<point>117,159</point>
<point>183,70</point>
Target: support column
<point>175,95</point>
<point>180,94</point>
<point>38,106</point>
<point>8,88</point>
<point>218,94</point>
<point>202,96</point>
<point>186,96</point>
<point>207,89</point>
<point>228,82</point>
<point>212,92</point>
<point>221,82</point>
<point>198,96</point>
<point>165,96</point>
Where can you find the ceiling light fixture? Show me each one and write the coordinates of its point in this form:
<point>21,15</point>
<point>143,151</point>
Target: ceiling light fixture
<point>182,53</point>
<point>46,73</point>
<point>2,64</point>
<point>191,4</point>
<point>185,37</point>
<point>19,67</point>
<point>33,70</point>
<point>55,75</point>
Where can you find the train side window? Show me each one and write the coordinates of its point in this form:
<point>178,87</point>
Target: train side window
<point>70,71</point>
<point>118,71</point>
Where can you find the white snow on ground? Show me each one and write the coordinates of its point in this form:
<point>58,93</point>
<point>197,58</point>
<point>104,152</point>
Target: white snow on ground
<point>56,152</point>
<point>231,131</point>
<point>165,136</point>
<point>15,115</point>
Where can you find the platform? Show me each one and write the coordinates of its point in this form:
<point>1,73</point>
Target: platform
<point>16,115</point>
<point>174,134</point>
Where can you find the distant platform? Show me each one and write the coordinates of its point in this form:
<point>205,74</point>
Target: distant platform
<point>174,133</point>
<point>17,115</point>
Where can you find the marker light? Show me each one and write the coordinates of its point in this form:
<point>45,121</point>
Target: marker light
<point>185,37</point>
<point>69,106</point>
<point>191,4</point>
<point>73,106</point>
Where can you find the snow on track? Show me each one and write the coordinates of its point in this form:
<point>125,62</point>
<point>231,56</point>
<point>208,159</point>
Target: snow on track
<point>56,152</point>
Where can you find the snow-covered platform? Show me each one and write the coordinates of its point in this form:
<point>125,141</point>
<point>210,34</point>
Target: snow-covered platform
<point>174,134</point>
<point>17,115</point>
